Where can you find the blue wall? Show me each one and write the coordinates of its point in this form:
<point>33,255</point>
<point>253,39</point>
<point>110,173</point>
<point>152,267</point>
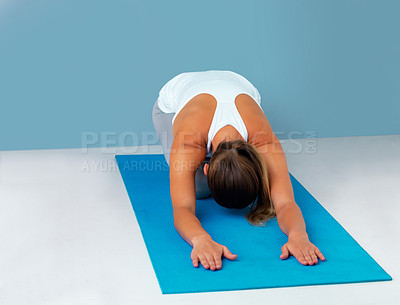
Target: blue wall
<point>73,66</point>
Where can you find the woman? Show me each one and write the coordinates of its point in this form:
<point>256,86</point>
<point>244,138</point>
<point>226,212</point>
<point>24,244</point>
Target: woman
<point>217,140</point>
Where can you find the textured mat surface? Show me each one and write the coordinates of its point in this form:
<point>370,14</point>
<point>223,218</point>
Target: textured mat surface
<point>258,265</point>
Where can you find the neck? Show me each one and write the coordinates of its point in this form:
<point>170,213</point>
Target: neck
<point>226,133</point>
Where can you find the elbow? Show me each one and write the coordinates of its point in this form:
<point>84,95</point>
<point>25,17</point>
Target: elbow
<point>284,206</point>
<point>180,214</point>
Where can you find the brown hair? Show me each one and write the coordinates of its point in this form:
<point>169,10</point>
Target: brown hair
<point>237,177</point>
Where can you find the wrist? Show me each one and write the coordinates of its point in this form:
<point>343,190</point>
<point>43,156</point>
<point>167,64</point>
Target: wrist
<point>199,238</point>
<point>298,235</point>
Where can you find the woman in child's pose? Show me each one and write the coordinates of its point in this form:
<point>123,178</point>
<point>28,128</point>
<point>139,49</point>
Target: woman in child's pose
<point>217,140</point>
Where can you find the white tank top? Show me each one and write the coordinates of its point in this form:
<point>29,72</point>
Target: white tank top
<point>224,86</point>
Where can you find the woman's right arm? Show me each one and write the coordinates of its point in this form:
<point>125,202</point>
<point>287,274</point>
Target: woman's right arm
<point>185,158</point>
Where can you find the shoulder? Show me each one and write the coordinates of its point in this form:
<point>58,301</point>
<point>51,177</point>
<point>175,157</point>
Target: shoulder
<point>195,117</point>
<point>258,127</point>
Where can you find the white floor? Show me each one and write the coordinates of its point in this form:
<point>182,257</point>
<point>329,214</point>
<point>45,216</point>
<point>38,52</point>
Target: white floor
<point>68,234</point>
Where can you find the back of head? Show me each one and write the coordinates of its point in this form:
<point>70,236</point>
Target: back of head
<point>237,177</point>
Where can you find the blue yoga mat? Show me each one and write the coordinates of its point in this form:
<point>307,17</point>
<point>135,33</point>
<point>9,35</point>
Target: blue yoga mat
<point>258,265</point>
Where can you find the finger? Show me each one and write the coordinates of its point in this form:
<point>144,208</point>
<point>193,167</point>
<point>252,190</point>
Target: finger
<point>285,252</point>
<point>204,261</point>
<point>313,257</point>
<point>195,261</point>
<point>218,262</point>
<point>300,257</point>
<point>308,258</point>
<point>228,254</point>
<point>319,254</point>
<point>210,259</point>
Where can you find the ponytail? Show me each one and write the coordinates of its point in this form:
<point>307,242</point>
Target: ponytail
<point>262,209</point>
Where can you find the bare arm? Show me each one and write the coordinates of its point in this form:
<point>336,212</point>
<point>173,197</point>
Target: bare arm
<point>289,216</point>
<point>185,158</point>
<point>288,213</point>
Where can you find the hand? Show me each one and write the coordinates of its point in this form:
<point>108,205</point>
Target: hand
<point>209,253</point>
<point>302,249</point>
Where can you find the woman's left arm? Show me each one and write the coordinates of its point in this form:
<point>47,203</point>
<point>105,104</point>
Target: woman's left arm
<point>289,216</point>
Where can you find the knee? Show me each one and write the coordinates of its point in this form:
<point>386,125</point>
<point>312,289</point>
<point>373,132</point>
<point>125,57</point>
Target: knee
<point>202,189</point>
<point>202,193</point>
